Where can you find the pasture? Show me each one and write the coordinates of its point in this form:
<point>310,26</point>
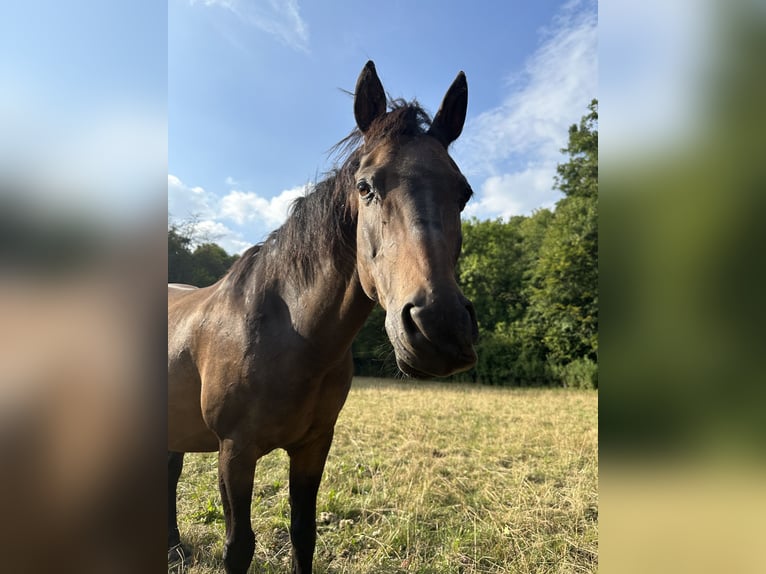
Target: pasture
<point>428,478</point>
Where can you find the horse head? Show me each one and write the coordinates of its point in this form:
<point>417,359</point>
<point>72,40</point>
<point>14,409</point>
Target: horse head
<point>408,196</point>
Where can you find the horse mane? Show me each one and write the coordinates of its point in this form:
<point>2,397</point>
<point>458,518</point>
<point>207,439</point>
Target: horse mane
<point>323,221</point>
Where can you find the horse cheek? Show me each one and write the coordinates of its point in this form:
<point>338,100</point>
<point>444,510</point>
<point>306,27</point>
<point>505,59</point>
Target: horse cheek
<point>366,279</point>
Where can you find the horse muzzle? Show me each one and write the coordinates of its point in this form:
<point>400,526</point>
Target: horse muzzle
<point>433,335</point>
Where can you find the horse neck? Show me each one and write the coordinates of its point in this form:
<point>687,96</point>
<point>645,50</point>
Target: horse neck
<point>330,310</point>
<point>309,270</point>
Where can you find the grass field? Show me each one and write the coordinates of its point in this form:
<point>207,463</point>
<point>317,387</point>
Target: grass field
<point>428,478</point>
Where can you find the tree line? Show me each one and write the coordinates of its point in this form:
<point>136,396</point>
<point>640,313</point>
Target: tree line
<point>533,281</point>
<point>193,259</point>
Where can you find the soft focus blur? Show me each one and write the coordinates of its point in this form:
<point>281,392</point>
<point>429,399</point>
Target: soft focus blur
<point>683,190</point>
<point>83,162</point>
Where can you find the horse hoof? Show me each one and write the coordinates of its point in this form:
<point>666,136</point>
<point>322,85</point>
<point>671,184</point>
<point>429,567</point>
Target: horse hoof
<point>179,555</point>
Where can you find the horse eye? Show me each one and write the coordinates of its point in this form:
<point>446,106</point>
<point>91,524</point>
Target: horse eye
<point>364,188</point>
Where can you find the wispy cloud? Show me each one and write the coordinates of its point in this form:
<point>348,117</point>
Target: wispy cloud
<point>186,202</point>
<point>520,192</point>
<point>231,218</point>
<point>280,18</point>
<point>513,149</point>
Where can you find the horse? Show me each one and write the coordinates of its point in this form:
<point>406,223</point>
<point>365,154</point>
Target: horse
<point>262,359</point>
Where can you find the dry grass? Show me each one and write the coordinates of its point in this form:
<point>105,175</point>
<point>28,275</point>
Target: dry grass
<point>429,478</point>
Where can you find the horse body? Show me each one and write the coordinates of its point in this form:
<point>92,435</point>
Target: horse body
<point>262,359</point>
<point>287,361</point>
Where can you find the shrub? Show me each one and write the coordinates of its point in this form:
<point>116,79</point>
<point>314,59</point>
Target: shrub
<point>579,374</point>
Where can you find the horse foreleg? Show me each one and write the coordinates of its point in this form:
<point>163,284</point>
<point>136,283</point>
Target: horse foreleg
<point>176,551</point>
<point>306,467</point>
<point>236,468</point>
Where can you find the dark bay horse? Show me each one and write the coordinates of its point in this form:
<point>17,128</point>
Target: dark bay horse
<point>262,359</point>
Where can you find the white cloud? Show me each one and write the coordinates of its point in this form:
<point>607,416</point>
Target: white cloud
<point>185,202</point>
<point>518,193</point>
<point>228,4</point>
<point>280,18</point>
<point>240,206</point>
<point>250,217</point>
<point>216,232</point>
<point>209,230</point>
<point>531,125</point>
<point>246,206</point>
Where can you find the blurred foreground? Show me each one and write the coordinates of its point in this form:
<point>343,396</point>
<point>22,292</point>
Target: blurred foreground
<point>81,412</point>
<point>83,163</point>
<point>683,189</point>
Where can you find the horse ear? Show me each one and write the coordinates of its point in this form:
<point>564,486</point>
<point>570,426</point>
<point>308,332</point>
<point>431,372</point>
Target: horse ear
<point>448,121</point>
<point>369,97</point>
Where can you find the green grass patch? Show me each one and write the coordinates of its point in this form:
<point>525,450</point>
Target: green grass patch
<point>428,478</point>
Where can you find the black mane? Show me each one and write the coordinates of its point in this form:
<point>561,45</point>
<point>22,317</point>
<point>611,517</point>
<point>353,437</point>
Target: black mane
<point>323,222</point>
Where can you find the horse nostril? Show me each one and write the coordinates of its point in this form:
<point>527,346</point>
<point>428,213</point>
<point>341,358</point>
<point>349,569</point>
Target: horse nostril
<point>408,322</point>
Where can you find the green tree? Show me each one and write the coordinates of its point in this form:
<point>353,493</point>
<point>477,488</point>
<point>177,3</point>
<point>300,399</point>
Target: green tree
<point>563,288</point>
<point>578,177</point>
<point>179,256</point>
<point>203,266</point>
<point>532,230</point>
<point>564,291</point>
<point>490,271</point>
<point>210,262</point>
<point>373,353</point>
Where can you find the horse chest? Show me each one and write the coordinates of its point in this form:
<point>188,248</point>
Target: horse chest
<point>282,392</point>
<point>294,411</point>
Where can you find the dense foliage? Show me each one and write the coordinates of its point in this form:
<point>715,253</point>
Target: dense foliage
<point>533,281</point>
<point>201,266</point>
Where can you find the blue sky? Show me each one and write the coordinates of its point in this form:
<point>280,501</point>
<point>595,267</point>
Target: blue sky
<point>255,100</point>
